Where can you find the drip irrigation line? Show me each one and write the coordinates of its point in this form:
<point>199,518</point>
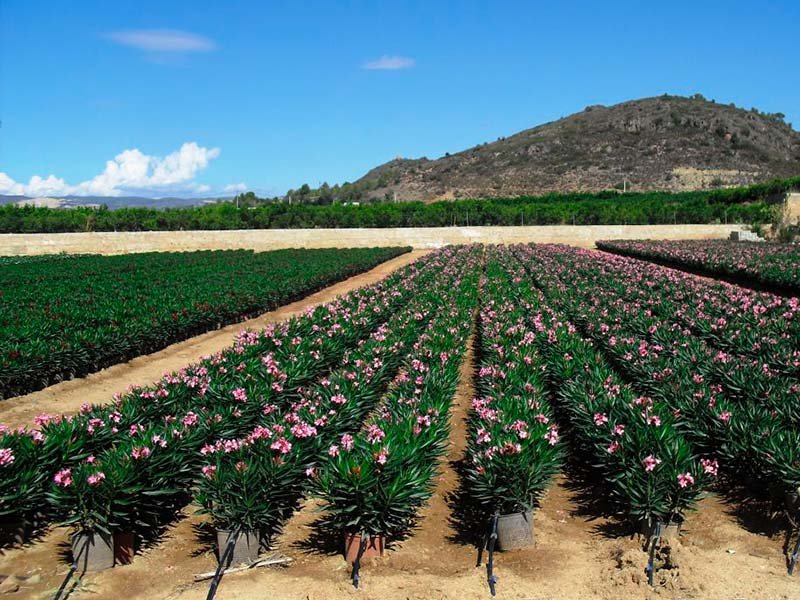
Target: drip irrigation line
<point>362,546</point>
<point>72,569</point>
<point>224,557</point>
<point>650,569</point>
<point>490,577</point>
<point>795,555</point>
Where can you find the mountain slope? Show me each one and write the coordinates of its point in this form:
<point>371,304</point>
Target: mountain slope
<point>662,143</point>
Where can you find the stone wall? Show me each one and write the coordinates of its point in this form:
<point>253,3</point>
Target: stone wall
<point>272,239</point>
<point>791,213</point>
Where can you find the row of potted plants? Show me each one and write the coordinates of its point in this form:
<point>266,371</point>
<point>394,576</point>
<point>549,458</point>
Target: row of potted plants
<point>744,422</point>
<point>373,483</point>
<point>261,367</point>
<point>513,444</point>
<point>652,469</point>
<point>768,264</point>
<point>762,327</point>
<point>54,326</point>
<point>253,484</point>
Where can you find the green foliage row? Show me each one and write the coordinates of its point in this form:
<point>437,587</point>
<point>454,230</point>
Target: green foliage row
<point>69,316</point>
<point>736,205</point>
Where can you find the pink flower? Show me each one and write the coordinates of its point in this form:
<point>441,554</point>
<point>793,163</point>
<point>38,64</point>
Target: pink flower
<point>208,471</point>
<point>190,419</point>
<point>618,430</point>
<point>651,462</point>
<point>382,456</point>
<point>159,440</point>
<point>91,459</point>
<point>552,435</point>
<point>333,450</point>
<point>600,419</point>
<point>338,399</point>
<point>6,457</point>
<point>654,420</point>
<point>96,478</point>
<point>140,452</point>
<point>709,466</point>
<point>375,434</point>
<point>685,479</point>
<point>63,478</point>
<point>725,416</point>
<point>613,447</point>
<point>239,395</point>
<point>282,445</point>
<point>303,430</point>
<point>483,436</point>
<point>347,442</point>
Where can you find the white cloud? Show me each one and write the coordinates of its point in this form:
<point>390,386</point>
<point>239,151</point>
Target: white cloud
<point>129,172</point>
<point>389,63</point>
<point>162,40</point>
<point>235,188</point>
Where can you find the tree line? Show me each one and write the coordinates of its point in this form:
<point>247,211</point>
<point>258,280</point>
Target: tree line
<point>754,204</point>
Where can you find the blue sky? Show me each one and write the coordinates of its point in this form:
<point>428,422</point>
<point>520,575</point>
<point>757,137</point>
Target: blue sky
<point>196,98</point>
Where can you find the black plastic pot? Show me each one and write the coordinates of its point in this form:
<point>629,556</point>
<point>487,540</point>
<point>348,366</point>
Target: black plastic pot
<point>669,531</point>
<point>92,550</point>
<point>515,530</point>
<point>245,550</point>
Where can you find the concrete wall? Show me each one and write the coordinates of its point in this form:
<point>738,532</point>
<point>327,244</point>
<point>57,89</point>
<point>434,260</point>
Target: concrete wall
<point>271,239</point>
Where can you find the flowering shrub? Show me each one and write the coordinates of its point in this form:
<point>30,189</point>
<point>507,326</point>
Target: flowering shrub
<point>767,264</point>
<point>221,396</point>
<point>638,441</point>
<point>513,443</point>
<point>55,326</point>
<point>373,482</point>
<point>729,404</point>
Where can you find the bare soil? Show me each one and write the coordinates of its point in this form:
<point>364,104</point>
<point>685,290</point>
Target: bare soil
<point>728,550</point>
<point>97,388</point>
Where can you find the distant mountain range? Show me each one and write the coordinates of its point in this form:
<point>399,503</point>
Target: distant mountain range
<point>662,143</point>
<point>109,201</point>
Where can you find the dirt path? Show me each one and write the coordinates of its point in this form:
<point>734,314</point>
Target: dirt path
<point>97,388</point>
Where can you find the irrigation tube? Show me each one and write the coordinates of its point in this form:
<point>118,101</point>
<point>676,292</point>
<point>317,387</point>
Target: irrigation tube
<point>490,578</point>
<point>212,590</point>
<point>72,569</point>
<point>795,556</point>
<point>650,569</point>
<point>362,546</point>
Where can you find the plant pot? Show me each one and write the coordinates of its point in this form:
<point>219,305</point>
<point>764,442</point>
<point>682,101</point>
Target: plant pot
<point>92,550</point>
<point>647,527</point>
<point>515,530</point>
<point>352,542</point>
<point>123,548</point>
<point>245,550</point>
<point>792,500</point>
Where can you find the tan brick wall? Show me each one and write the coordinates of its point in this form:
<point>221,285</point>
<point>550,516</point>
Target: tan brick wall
<point>271,239</point>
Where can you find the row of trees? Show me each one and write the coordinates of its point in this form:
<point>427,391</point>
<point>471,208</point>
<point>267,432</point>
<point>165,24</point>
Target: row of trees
<point>753,204</point>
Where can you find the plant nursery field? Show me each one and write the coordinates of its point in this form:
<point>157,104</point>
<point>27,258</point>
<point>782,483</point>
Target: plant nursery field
<point>65,316</point>
<point>770,266</point>
<point>609,418</point>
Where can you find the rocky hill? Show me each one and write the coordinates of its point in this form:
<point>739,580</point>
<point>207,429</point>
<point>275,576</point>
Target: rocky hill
<point>663,143</point>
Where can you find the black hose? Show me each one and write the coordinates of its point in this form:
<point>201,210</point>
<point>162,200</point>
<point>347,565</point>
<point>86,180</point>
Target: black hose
<point>357,564</point>
<point>795,556</point>
<point>72,569</point>
<point>490,578</point>
<point>650,569</point>
<point>224,557</point>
